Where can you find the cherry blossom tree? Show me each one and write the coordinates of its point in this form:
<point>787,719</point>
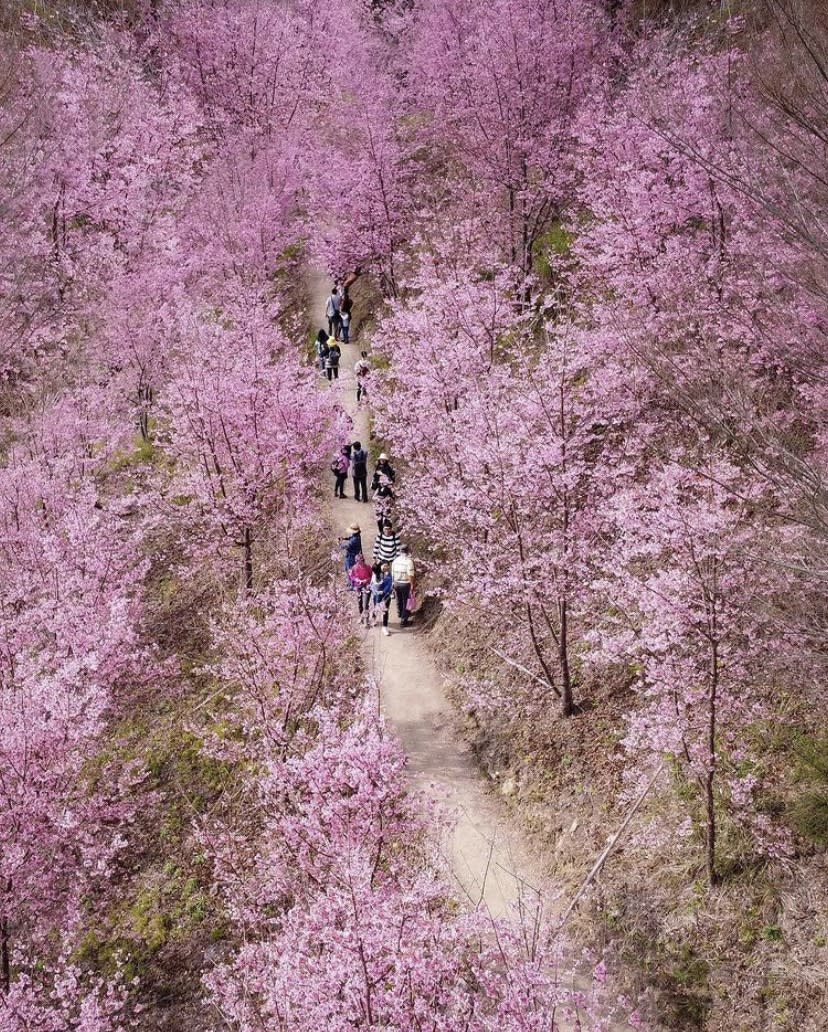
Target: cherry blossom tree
<point>362,192</point>
<point>68,610</point>
<point>278,652</point>
<point>249,430</point>
<point>514,445</point>
<point>347,923</point>
<point>499,87</point>
<point>693,598</point>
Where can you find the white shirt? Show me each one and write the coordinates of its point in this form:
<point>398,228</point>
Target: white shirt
<point>402,569</point>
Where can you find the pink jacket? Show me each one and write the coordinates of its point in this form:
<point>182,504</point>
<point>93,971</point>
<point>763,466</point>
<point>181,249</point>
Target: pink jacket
<point>360,575</point>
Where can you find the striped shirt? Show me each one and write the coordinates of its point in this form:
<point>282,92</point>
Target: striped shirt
<point>386,547</point>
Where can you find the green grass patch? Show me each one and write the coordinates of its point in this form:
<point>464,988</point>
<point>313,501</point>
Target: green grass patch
<point>555,242</point>
<point>144,453</point>
<point>808,812</point>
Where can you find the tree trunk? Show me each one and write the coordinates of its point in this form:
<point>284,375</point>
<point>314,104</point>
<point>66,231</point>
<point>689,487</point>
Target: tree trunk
<point>537,647</point>
<point>248,560</point>
<point>5,960</point>
<point>144,400</point>
<point>567,703</point>
<point>710,830</point>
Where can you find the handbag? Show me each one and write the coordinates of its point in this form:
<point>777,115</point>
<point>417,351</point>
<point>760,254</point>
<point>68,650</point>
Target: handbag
<point>411,602</point>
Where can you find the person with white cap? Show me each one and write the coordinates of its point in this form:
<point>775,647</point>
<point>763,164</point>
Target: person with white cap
<point>383,500</point>
<point>384,469</point>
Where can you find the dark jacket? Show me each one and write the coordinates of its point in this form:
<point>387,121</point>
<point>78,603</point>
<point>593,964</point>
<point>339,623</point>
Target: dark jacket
<point>353,548</point>
<point>383,467</point>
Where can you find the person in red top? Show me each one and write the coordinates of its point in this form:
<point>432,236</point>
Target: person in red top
<point>360,577</point>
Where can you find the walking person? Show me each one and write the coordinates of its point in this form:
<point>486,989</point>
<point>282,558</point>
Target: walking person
<point>386,544</point>
<point>322,349</point>
<point>339,467</point>
<point>351,544</point>
<point>332,313</point>
<point>332,360</point>
<point>403,575</point>
<point>384,498</point>
<point>359,468</point>
<point>362,368</point>
<point>345,307</point>
<point>381,586</point>
<point>359,577</point>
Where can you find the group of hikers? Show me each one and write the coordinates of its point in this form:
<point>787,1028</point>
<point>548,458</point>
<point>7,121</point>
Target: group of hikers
<point>328,352</point>
<point>338,310</point>
<point>392,571</point>
<point>353,459</point>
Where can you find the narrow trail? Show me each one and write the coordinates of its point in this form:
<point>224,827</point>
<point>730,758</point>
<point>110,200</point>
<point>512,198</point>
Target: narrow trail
<point>492,864</point>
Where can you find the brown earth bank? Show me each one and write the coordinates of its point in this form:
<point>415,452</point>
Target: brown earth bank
<point>750,953</point>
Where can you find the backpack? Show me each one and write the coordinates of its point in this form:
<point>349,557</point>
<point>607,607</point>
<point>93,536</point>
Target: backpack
<point>360,460</point>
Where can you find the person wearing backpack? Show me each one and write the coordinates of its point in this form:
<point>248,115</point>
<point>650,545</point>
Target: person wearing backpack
<point>322,350</point>
<point>332,361</point>
<point>339,467</point>
<point>359,468</point>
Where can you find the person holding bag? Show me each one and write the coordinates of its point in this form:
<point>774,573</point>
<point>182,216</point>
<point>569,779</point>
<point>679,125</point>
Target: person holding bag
<point>403,576</point>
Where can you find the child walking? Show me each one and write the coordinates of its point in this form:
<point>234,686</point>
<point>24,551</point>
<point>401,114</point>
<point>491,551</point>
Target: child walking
<point>381,589</point>
<point>360,577</point>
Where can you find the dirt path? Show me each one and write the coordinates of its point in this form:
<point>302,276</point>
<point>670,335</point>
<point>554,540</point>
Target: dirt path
<point>493,867</point>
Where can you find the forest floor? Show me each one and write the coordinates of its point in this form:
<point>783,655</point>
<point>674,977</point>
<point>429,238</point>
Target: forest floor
<point>491,861</point>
